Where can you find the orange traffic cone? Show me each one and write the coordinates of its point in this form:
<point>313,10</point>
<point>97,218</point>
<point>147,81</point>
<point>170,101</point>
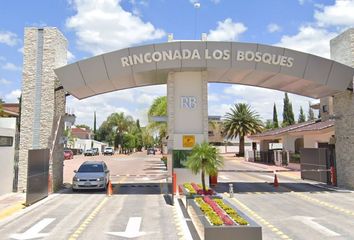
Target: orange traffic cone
<point>276,184</point>
<point>109,189</point>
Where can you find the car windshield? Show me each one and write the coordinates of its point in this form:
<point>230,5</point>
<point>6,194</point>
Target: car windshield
<point>91,168</point>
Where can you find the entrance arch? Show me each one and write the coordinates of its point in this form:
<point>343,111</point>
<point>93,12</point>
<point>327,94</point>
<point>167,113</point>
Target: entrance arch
<point>225,62</point>
<point>195,63</point>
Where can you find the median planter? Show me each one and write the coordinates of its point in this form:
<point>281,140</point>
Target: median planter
<point>225,227</point>
<point>192,190</point>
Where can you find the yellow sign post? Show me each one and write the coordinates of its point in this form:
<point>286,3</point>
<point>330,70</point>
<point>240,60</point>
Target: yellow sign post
<point>188,141</point>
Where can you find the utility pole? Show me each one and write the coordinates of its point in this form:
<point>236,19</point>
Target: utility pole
<point>196,7</point>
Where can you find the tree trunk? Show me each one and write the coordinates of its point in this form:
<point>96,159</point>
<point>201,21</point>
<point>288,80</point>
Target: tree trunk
<point>203,181</point>
<point>242,146</point>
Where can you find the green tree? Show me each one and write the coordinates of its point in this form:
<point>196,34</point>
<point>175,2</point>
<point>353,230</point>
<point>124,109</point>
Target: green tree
<point>206,159</point>
<point>275,117</point>
<point>302,117</point>
<point>120,124</point>
<point>147,138</point>
<point>311,114</point>
<point>94,126</point>
<point>158,109</point>
<point>268,124</point>
<point>1,109</point>
<point>83,126</point>
<point>288,114</point>
<point>241,121</point>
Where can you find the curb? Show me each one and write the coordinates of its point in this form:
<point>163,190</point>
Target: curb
<point>7,212</point>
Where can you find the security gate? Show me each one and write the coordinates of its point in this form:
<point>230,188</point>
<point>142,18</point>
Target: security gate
<point>315,164</point>
<point>37,172</point>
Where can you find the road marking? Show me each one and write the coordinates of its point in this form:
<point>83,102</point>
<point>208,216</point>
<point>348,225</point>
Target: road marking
<point>87,220</point>
<point>265,222</point>
<point>33,232</point>
<point>224,177</point>
<point>132,230</point>
<point>322,203</point>
<point>308,221</point>
<point>10,210</point>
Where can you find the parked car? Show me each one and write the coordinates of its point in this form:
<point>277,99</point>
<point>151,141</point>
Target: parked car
<point>150,151</point>
<point>68,154</point>
<point>91,175</point>
<point>95,151</point>
<point>108,151</point>
<point>88,152</point>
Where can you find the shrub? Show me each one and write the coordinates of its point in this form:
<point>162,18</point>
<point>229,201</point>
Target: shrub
<point>190,188</point>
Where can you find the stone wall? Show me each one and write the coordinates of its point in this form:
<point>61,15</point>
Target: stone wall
<point>344,132</point>
<point>44,50</point>
<point>342,50</point>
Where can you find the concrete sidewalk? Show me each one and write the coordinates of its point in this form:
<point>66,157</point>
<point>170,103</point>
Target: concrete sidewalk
<point>283,171</point>
<point>11,203</point>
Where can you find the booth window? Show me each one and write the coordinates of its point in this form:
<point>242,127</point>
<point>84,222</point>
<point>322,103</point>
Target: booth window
<point>325,108</point>
<point>6,141</point>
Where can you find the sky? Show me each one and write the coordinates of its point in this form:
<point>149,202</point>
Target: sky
<point>97,26</point>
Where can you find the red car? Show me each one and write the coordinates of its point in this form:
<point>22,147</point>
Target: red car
<point>68,154</point>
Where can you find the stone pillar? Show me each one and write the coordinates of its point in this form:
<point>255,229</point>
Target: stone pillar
<point>342,50</point>
<point>344,133</point>
<point>42,102</point>
<point>187,95</point>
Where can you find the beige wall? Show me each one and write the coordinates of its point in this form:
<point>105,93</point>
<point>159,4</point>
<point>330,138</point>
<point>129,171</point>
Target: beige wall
<point>311,141</point>
<point>7,128</point>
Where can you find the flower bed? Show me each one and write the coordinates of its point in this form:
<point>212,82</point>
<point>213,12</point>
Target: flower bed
<point>192,190</point>
<point>218,219</point>
<point>219,213</point>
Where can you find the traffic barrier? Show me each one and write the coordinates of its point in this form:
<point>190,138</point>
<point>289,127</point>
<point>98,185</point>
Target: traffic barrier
<point>174,181</point>
<point>109,189</point>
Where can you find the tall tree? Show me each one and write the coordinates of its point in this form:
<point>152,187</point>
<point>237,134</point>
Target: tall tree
<point>206,159</point>
<point>120,124</point>
<point>158,109</point>
<point>1,109</point>
<point>94,126</point>
<point>288,114</point>
<point>241,121</point>
<point>302,117</point>
<point>83,126</point>
<point>275,117</point>
<point>311,114</point>
<point>268,124</point>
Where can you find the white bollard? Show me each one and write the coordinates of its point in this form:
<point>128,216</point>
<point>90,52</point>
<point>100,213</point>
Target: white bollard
<point>231,190</point>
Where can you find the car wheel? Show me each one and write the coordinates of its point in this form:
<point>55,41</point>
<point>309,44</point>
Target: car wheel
<point>75,190</point>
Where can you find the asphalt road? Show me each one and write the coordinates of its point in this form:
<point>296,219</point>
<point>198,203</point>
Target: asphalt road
<point>295,210</point>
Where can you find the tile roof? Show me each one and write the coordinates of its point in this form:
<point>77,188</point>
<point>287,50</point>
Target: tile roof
<point>12,108</point>
<point>316,126</point>
<point>279,131</point>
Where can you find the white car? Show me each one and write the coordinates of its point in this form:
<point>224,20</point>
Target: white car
<point>108,151</point>
<point>91,175</point>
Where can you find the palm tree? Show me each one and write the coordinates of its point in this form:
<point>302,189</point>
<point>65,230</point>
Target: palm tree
<point>241,121</point>
<point>158,109</point>
<point>206,159</point>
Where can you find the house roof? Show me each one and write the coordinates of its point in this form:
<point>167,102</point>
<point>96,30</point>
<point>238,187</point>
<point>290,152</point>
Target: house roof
<point>279,131</point>
<point>318,126</point>
<point>11,108</point>
<point>80,130</point>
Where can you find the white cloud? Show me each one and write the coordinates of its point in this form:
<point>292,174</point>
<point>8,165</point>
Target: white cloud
<point>314,37</point>
<point>219,110</point>
<point>213,97</point>
<point>227,31</point>
<point>103,26</point>
<point>215,1</point>
<point>11,67</point>
<point>4,81</point>
<point>341,13</point>
<point>262,100</point>
<point>13,96</point>
<point>134,102</point>
<point>70,56</point>
<point>273,27</point>
<point>9,38</point>
<point>20,50</point>
<point>309,39</point>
